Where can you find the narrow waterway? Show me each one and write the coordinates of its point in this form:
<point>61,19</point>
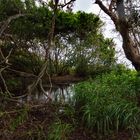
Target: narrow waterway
<point>59,93</point>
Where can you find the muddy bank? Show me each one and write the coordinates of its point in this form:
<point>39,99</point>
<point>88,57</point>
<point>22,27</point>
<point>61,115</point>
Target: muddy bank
<point>64,79</point>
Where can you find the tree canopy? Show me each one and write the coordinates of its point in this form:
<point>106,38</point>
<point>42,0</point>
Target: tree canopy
<point>37,36</point>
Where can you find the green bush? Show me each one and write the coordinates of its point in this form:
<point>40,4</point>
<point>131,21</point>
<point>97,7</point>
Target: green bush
<point>59,131</point>
<point>109,102</point>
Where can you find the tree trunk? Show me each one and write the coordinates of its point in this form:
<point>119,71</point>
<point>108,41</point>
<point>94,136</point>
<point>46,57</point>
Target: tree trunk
<point>131,48</point>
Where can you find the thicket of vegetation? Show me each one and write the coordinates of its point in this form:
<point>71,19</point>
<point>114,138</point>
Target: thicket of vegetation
<point>77,43</point>
<point>41,44</point>
<point>105,107</point>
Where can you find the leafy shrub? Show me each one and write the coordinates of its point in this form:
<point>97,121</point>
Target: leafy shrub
<point>59,131</point>
<point>19,119</point>
<point>109,102</point>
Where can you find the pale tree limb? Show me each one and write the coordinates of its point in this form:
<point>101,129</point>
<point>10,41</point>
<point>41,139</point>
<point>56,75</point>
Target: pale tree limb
<point>5,59</point>
<point>7,22</point>
<point>35,83</point>
<point>50,44</point>
<point>3,80</point>
<point>49,98</point>
<point>49,93</point>
<point>2,55</point>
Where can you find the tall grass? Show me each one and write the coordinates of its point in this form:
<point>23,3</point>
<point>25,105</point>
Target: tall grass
<point>109,103</point>
<point>60,131</point>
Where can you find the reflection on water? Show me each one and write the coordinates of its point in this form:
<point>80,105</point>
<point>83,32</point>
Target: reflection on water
<point>60,93</point>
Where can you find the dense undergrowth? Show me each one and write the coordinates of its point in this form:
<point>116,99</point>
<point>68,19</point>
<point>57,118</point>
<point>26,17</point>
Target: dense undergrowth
<point>104,107</point>
<point>109,103</point>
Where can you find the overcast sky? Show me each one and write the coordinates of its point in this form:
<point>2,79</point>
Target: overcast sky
<point>108,30</point>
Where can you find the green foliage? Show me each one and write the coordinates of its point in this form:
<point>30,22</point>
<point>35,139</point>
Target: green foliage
<point>81,23</point>
<point>36,133</point>
<point>10,8</point>
<point>19,119</point>
<point>78,40</point>
<point>59,131</point>
<point>109,102</point>
<point>26,61</point>
<point>36,24</point>
<point>13,83</point>
<point>68,114</point>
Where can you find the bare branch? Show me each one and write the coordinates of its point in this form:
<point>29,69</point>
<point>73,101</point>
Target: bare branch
<point>67,3</point>
<point>3,80</point>
<point>7,22</point>
<point>5,59</point>
<point>108,12</point>
<point>50,45</point>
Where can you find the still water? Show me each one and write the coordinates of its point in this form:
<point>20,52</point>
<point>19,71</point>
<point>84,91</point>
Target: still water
<point>59,93</point>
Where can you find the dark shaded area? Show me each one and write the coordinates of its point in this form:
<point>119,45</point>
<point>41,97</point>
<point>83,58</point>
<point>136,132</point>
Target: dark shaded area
<point>35,124</point>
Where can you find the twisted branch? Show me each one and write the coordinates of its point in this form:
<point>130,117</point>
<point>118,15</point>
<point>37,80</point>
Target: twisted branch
<point>7,22</point>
